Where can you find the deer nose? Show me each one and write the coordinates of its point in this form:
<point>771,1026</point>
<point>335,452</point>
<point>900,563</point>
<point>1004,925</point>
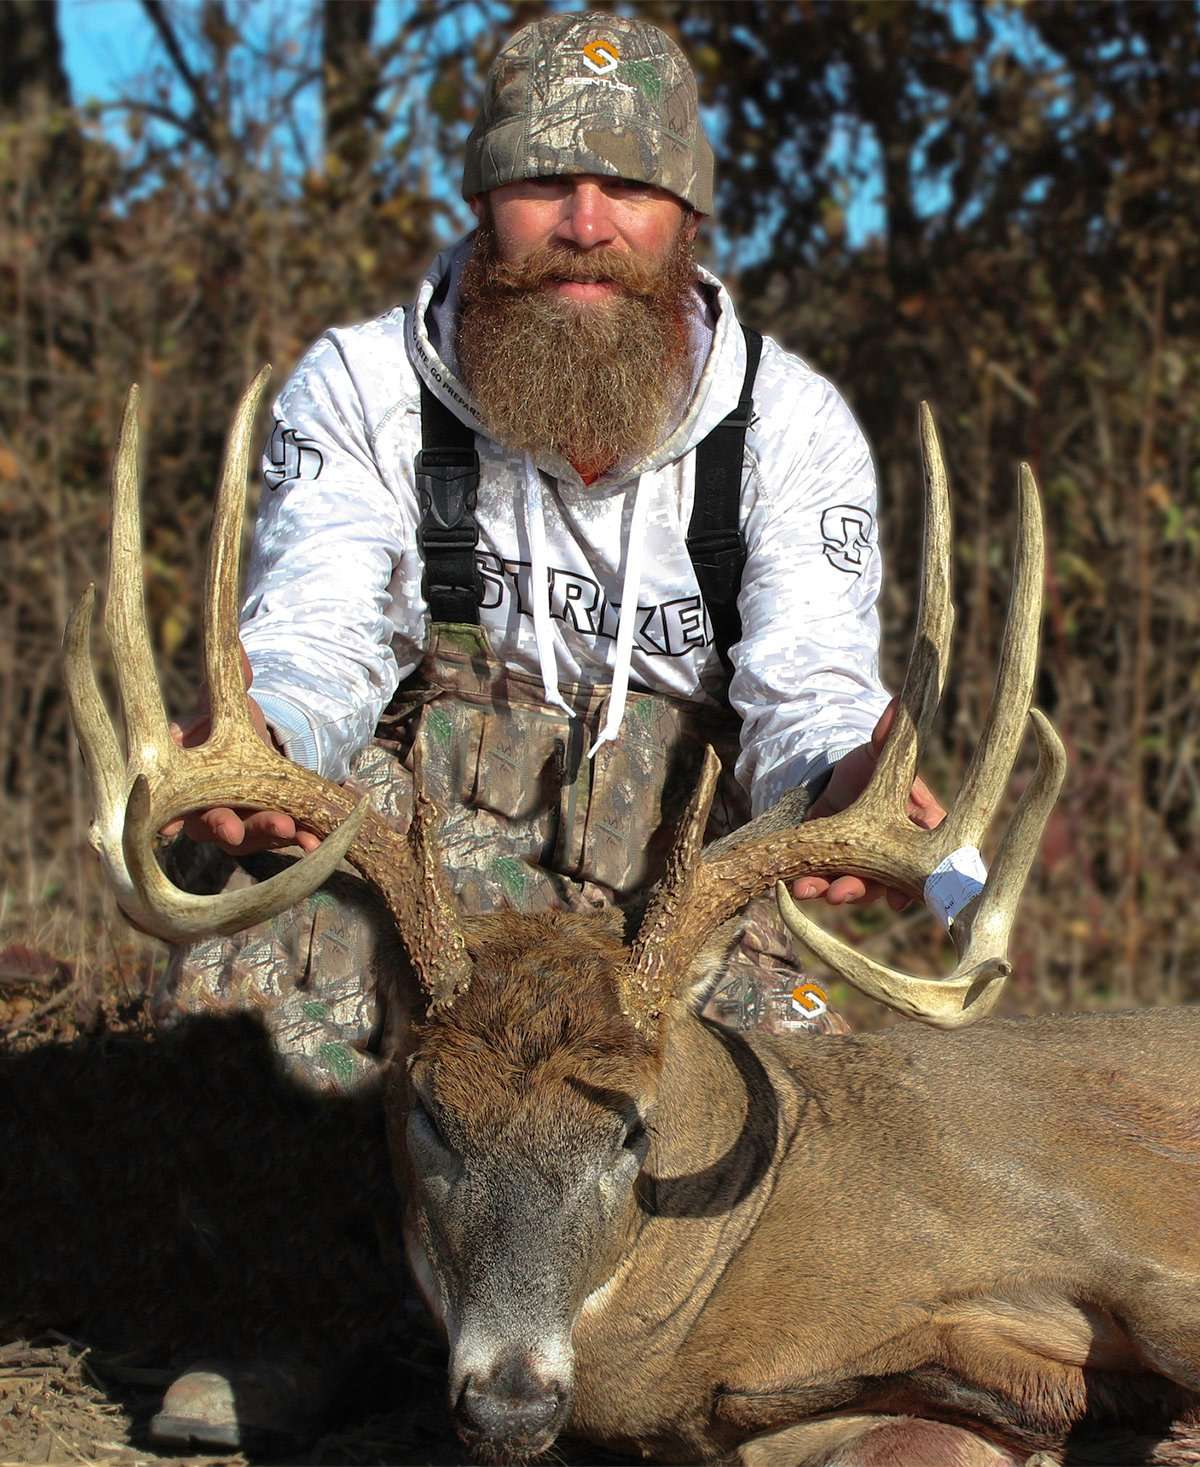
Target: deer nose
<point>511,1410</point>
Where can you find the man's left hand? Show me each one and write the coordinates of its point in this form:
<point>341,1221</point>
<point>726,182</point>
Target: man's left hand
<point>848,780</point>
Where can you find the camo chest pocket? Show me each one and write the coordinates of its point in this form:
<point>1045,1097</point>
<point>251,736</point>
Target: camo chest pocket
<point>519,764</point>
<point>640,787</point>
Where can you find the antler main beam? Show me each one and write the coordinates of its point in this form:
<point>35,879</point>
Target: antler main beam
<point>155,780</point>
<point>874,836</point>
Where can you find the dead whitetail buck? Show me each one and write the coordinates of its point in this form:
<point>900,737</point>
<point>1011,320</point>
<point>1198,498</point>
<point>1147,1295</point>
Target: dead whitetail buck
<point>912,1247</point>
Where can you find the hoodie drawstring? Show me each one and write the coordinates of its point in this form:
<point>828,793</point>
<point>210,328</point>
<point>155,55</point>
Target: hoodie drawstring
<point>539,575</point>
<point>539,572</point>
<point>630,585</point>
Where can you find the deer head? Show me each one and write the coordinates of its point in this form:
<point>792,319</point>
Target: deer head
<point>522,1104</point>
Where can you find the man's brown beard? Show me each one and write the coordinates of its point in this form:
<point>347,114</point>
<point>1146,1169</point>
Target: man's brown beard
<point>597,383</point>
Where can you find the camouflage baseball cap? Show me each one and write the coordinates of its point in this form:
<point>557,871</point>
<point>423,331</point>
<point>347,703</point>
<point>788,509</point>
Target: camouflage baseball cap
<point>591,93</point>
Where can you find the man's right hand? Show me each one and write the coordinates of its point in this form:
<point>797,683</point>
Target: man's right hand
<point>238,832</point>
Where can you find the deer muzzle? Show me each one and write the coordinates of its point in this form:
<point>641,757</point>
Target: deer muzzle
<point>514,1405</point>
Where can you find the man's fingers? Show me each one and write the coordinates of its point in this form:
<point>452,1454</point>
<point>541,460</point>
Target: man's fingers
<point>224,826</point>
<point>243,832</point>
<point>883,727</point>
<point>192,731</point>
<point>924,807</point>
<point>852,889</point>
<point>837,892</point>
<point>846,889</point>
<point>272,825</point>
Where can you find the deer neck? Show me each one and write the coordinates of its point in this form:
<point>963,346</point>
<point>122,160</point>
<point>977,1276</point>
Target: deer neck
<point>717,1133</point>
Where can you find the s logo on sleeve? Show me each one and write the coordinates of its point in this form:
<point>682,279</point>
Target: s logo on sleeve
<point>847,533</point>
<point>291,457</point>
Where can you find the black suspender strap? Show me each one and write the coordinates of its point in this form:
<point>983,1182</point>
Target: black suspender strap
<point>447,472</point>
<point>715,540</point>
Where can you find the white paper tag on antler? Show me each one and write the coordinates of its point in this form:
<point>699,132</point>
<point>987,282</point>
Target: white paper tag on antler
<point>954,882</point>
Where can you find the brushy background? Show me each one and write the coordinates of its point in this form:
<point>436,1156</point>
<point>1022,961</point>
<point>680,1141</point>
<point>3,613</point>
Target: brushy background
<point>1028,265</point>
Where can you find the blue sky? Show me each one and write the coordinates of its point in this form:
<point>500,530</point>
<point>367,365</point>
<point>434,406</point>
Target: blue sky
<point>104,41</point>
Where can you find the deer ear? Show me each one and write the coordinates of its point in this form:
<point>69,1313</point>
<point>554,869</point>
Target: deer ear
<point>710,966</point>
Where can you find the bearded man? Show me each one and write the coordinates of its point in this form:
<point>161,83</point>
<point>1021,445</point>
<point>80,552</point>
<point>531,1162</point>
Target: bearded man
<point>566,522</point>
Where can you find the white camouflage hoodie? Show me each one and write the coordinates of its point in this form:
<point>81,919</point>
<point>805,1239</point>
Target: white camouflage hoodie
<point>334,617</point>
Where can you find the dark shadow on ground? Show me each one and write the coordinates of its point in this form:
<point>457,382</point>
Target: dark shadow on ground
<point>172,1197</point>
<point>179,1193</point>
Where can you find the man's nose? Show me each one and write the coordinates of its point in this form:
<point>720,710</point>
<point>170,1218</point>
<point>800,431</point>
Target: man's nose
<point>588,218</point>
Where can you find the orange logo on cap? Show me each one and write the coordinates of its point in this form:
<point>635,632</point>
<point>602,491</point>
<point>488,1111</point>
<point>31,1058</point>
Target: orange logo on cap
<point>601,56</point>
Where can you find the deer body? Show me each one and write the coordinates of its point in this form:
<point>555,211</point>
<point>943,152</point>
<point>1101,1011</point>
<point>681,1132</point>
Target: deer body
<point>1002,1225</point>
<point>966,1241</point>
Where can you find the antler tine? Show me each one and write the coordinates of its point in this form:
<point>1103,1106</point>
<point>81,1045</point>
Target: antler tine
<point>97,737</point>
<point>222,662</point>
<point>100,746</point>
<point>147,736</point>
<point>996,751</point>
<point>981,930</point>
<point>925,674</point>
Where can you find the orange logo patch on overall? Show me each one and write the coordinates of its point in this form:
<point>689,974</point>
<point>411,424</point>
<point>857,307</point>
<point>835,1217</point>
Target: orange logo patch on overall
<point>601,56</point>
<point>810,999</point>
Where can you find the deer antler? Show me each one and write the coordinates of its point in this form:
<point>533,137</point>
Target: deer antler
<point>135,795</point>
<point>874,837</point>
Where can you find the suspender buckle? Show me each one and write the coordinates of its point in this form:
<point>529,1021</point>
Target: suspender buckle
<point>741,417</point>
<point>447,486</point>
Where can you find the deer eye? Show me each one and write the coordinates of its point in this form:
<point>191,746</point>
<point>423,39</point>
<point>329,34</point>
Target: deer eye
<point>426,1122</point>
<point>635,1135</point>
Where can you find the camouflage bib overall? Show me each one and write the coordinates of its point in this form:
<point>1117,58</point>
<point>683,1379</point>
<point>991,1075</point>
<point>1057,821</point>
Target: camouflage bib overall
<point>529,823</point>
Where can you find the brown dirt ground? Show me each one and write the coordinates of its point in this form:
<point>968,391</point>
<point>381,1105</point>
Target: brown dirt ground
<point>63,1403</point>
